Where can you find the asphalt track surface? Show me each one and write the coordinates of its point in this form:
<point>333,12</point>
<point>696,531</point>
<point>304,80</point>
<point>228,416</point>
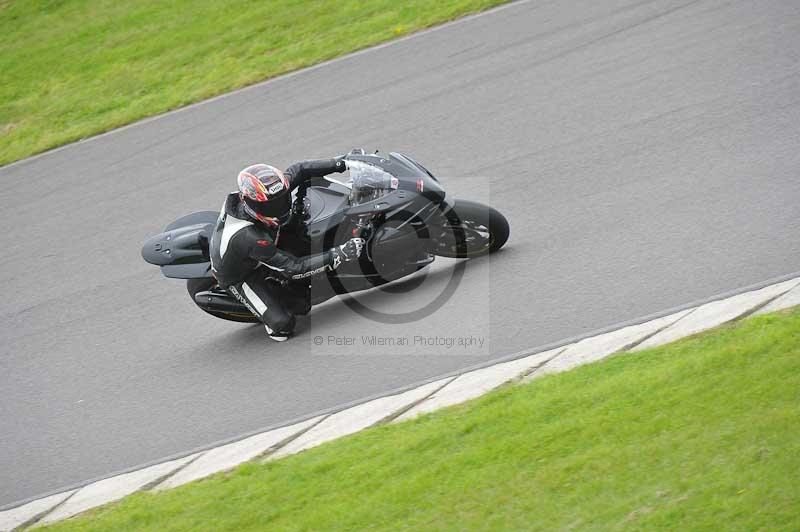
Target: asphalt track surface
<point>645,153</point>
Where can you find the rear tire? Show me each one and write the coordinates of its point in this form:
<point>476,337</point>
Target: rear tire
<point>475,230</point>
<point>193,286</point>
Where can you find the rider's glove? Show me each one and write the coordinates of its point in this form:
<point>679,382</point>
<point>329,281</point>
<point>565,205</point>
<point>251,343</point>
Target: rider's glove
<point>350,250</point>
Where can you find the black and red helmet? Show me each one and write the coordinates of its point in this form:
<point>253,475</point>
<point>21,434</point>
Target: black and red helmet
<point>265,194</point>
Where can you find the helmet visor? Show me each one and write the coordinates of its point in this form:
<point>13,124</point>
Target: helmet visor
<point>277,207</point>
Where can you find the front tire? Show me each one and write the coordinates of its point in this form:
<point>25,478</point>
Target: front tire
<point>471,230</point>
<point>193,286</point>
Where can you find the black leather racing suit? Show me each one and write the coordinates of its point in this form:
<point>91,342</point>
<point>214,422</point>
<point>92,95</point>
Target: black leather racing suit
<point>247,261</point>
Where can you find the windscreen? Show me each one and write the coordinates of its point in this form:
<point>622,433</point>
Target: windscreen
<point>368,182</point>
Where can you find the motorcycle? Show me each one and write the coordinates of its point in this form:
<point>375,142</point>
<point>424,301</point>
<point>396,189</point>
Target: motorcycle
<point>392,201</point>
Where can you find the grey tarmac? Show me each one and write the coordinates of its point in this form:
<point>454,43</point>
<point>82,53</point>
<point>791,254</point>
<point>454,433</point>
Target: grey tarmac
<point>644,152</point>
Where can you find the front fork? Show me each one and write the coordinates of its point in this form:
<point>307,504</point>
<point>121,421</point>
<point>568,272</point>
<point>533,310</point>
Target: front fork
<point>443,221</point>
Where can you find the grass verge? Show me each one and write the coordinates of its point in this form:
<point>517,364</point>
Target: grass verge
<point>74,68</point>
<point>700,434</point>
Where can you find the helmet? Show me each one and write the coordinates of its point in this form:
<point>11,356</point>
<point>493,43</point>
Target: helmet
<point>265,194</point>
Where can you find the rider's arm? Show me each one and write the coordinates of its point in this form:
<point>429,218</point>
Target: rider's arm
<point>300,172</point>
<point>285,264</point>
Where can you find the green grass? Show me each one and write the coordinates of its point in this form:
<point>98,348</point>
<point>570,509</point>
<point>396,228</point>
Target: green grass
<point>74,68</point>
<point>703,434</point>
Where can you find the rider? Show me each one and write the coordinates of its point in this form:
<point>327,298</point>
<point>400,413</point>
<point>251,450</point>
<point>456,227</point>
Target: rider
<point>245,259</point>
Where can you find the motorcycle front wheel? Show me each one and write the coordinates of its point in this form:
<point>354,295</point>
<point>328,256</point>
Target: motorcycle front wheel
<point>471,229</point>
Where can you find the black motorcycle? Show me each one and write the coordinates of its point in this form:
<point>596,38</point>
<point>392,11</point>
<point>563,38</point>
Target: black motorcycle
<point>391,201</point>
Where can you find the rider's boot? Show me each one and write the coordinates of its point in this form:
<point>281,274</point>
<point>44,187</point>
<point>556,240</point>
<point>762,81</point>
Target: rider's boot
<point>276,335</point>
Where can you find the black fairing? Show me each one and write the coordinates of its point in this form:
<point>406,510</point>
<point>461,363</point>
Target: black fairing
<point>394,248</point>
<point>182,249</point>
<point>408,172</point>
